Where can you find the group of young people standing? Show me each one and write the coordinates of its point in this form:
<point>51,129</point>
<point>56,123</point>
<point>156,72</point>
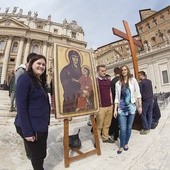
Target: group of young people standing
<point>117,109</point>
<point>120,99</point>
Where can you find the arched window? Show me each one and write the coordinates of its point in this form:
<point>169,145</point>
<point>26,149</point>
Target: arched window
<point>35,49</point>
<point>73,34</point>
<point>2,44</point>
<point>148,25</point>
<point>15,47</point>
<point>153,40</point>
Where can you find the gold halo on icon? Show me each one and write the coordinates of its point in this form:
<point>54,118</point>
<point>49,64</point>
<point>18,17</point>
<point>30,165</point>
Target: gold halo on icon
<point>67,58</point>
<point>83,66</point>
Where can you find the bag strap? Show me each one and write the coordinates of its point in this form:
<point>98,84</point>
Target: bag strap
<point>78,131</point>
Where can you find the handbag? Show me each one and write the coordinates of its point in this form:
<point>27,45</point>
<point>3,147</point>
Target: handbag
<point>74,141</point>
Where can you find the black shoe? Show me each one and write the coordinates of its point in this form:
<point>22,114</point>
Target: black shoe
<point>29,158</point>
<point>89,124</point>
<point>108,141</point>
<point>95,145</point>
<point>119,151</point>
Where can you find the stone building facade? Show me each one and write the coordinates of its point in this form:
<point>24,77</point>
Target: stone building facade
<point>22,34</point>
<point>153,57</point>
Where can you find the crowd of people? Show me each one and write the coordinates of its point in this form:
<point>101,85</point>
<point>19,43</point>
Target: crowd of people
<point>120,99</point>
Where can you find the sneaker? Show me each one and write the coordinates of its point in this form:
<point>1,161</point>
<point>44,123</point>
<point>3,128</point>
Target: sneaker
<point>111,137</point>
<point>108,141</point>
<point>144,132</point>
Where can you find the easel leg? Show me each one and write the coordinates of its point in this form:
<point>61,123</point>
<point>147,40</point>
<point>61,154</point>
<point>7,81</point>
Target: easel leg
<point>66,143</point>
<point>95,133</point>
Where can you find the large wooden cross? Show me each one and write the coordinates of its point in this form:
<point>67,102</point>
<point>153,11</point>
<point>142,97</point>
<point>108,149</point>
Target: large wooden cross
<point>132,43</point>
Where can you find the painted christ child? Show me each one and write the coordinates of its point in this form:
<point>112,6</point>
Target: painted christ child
<point>85,81</point>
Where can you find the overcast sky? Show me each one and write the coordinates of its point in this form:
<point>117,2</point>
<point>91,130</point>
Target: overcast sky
<point>96,17</point>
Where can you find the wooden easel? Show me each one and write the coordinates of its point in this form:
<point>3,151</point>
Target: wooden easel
<point>67,158</point>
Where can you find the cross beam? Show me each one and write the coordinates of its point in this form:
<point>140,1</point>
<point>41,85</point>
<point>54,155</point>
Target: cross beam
<point>132,41</point>
<point>123,35</point>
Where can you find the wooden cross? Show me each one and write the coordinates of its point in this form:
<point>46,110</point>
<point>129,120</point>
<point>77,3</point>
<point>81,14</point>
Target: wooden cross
<point>132,43</point>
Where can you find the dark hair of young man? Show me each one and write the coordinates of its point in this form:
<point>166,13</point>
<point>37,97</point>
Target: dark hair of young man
<point>30,56</point>
<point>117,70</point>
<point>107,76</point>
<point>143,73</point>
<point>98,67</point>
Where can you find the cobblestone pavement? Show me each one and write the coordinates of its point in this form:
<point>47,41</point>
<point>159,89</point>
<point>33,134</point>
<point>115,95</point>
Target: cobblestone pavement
<point>146,152</point>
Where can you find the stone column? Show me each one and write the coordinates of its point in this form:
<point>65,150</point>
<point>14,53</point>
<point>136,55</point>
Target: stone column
<point>45,48</point>
<point>27,49</point>
<point>19,54</point>
<point>6,59</point>
<point>49,57</point>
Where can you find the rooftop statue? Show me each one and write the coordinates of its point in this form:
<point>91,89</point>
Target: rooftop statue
<point>6,10</point>
<point>35,14</point>
<point>19,13</point>
<point>29,14</point>
<point>14,10</point>
<point>65,21</point>
<point>49,18</point>
<point>149,45</point>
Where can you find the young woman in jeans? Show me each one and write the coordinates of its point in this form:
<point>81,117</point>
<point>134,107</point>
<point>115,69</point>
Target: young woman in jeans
<point>125,108</point>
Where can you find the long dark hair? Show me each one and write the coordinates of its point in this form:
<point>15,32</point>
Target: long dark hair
<point>36,80</point>
<point>121,77</point>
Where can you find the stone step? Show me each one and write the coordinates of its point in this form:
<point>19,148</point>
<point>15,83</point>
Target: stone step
<point>5,115</point>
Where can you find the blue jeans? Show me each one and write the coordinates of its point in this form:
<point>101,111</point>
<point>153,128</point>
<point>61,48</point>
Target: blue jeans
<point>146,115</point>
<point>125,123</point>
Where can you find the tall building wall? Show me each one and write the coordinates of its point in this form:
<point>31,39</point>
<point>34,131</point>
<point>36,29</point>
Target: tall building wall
<point>22,34</point>
<point>154,55</point>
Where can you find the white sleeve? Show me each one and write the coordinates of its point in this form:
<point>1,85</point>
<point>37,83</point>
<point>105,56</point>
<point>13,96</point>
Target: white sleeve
<point>137,89</point>
<point>117,93</point>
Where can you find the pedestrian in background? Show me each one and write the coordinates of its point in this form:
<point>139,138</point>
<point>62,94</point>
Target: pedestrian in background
<point>22,68</point>
<point>114,127</point>
<point>147,102</point>
<point>12,91</point>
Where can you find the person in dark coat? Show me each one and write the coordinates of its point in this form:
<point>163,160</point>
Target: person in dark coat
<point>12,92</point>
<point>156,114</point>
<point>33,110</point>
<point>147,102</point>
<point>68,74</point>
<point>114,127</point>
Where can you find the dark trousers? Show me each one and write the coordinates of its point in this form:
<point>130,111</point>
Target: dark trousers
<point>146,115</point>
<point>114,128</point>
<point>36,150</point>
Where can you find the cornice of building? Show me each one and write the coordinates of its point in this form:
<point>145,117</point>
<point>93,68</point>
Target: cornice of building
<point>151,16</point>
<point>73,26</point>
<point>116,42</point>
<point>155,54</point>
